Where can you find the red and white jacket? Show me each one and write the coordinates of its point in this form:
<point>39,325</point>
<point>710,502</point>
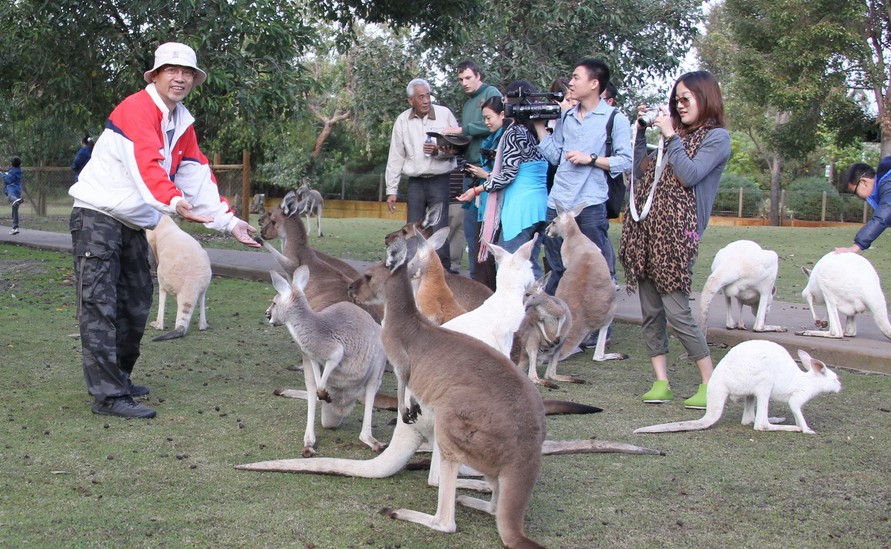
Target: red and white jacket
<point>136,172</point>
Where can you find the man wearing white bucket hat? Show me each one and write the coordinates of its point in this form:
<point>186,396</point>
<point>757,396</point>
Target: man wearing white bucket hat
<point>145,163</point>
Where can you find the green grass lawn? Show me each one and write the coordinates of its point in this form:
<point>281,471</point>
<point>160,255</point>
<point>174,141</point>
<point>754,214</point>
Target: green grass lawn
<point>73,479</point>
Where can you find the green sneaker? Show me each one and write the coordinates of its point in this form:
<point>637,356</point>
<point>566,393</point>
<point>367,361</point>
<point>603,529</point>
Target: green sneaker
<point>697,401</point>
<point>658,393</point>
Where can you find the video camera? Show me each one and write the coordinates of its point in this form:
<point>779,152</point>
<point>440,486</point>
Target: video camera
<point>529,109</point>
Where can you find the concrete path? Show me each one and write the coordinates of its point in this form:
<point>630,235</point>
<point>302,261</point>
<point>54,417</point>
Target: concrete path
<point>869,351</point>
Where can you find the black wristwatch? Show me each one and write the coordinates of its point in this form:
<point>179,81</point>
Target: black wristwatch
<point>594,158</point>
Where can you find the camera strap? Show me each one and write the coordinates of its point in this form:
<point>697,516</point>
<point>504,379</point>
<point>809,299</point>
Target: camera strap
<point>649,203</point>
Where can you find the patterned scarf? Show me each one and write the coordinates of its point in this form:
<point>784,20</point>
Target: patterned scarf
<point>492,215</point>
<point>663,246</point>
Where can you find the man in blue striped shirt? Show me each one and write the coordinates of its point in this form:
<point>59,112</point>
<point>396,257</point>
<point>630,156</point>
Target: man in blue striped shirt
<point>577,147</point>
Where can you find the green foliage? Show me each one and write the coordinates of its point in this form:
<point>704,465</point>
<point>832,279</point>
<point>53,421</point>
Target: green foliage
<point>727,199</point>
<point>805,198</point>
<point>540,40</point>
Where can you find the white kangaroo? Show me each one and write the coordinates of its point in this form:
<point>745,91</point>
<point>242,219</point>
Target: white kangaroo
<point>847,284</point>
<point>184,271</point>
<point>343,358</point>
<point>497,320</point>
<point>542,334</point>
<point>585,286</point>
<point>743,271</point>
<point>759,371</point>
<point>310,202</point>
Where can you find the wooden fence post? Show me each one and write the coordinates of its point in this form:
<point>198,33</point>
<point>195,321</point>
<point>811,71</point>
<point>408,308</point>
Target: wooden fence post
<point>823,210</point>
<point>246,185</point>
<point>740,210</point>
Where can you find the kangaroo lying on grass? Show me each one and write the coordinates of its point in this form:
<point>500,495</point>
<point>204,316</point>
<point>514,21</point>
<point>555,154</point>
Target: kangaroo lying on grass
<point>542,334</point>
<point>310,202</point>
<point>585,286</point>
<point>847,284</point>
<point>759,371</point>
<point>330,277</point>
<point>743,271</point>
<point>342,355</point>
<point>184,271</point>
<point>468,293</point>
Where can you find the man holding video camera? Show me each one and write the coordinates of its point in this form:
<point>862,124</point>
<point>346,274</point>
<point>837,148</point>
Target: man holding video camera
<point>577,147</point>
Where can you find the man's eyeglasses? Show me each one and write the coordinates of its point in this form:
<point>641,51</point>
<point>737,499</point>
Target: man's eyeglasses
<point>683,100</point>
<point>174,71</point>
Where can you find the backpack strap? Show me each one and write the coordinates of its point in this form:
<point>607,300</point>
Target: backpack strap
<point>609,133</point>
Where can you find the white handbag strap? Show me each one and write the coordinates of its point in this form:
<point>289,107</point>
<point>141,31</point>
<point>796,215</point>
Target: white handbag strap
<point>649,203</point>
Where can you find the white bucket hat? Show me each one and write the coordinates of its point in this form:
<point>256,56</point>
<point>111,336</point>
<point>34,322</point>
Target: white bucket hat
<point>181,55</point>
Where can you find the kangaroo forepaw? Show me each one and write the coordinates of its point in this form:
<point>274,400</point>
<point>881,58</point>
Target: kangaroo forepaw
<point>411,414</point>
<point>308,451</point>
<point>323,395</point>
<point>822,324</point>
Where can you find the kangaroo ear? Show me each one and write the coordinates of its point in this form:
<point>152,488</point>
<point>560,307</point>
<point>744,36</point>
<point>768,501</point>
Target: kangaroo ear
<point>289,203</point>
<point>396,253</point>
<point>300,278</point>
<point>438,238</point>
<point>432,215</point>
<point>812,364</point>
<point>543,281</point>
<point>280,284</point>
<point>558,206</point>
<point>577,209</point>
<point>525,251</point>
<point>806,271</point>
<point>497,252</point>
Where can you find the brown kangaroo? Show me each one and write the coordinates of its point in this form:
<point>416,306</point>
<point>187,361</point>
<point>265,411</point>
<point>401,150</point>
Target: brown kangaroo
<point>330,276</point>
<point>469,293</point>
<point>488,414</point>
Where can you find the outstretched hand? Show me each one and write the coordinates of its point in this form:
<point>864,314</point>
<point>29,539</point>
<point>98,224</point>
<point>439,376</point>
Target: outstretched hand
<point>184,210</point>
<point>242,233</point>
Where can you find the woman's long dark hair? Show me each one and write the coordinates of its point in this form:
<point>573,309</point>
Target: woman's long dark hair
<point>704,86</point>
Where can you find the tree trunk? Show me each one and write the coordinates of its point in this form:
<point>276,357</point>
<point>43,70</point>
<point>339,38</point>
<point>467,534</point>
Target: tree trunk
<point>776,171</point>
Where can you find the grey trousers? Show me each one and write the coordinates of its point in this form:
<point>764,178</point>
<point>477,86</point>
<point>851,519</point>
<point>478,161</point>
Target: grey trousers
<point>114,296</point>
<point>657,310</point>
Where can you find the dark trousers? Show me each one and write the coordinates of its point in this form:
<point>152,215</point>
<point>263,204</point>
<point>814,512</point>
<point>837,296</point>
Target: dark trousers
<point>594,224</point>
<point>424,192</point>
<point>114,296</point>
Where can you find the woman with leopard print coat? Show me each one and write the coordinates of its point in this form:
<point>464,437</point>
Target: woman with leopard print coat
<point>669,210</point>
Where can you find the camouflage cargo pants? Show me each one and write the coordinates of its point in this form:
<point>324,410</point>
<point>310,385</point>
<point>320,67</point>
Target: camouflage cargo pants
<point>114,296</point>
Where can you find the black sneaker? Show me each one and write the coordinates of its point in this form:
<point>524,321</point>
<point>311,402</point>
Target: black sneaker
<point>17,201</point>
<point>123,406</point>
<point>138,390</point>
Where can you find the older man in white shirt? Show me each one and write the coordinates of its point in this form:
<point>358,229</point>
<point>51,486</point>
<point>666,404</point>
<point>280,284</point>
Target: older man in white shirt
<point>415,154</point>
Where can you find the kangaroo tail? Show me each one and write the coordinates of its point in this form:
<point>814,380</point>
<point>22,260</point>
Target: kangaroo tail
<point>514,492</point>
<point>713,285</point>
<point>406,440</point>
<point>172,334</point>
<point>591,446</point>
<point>558,407</point>
<point>881,317</point>
<point>712,415</point>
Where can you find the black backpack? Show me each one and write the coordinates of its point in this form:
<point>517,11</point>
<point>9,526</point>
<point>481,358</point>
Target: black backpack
<point>615,185</point>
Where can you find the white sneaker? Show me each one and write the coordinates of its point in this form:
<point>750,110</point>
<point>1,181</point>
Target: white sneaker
<point>14,231</point>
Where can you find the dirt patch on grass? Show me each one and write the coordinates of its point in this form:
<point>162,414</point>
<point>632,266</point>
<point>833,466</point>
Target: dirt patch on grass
<point>13,270</point>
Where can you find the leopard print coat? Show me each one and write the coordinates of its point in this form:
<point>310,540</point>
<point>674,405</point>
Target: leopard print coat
<point>663,246</point>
